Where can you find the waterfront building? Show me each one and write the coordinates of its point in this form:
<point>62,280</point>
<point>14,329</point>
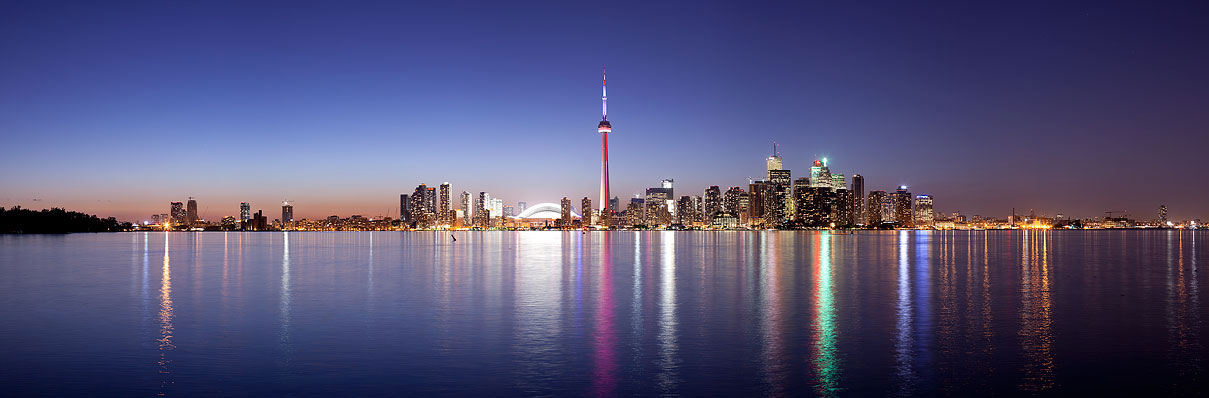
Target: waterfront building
<point>732,200</point>
<point>1162,215</point>
<point>466,208</point>
<point>245,211</point>
<point>657,212</point>
<point>843,216</point>
<point>634,212</point>
<point>858,199</point>
<point>509,211</point>
<point>444,205</point>
<point>923,211</point>
<point>404,209</point>
<point>565,215</point>
<point>497,208</point>
<point>191,216</point>
<point>287,213</point>
<point>688,210</point>
<point>901,200</point>
<point>421,210</point>
<point>521,206</point>
<point>481,217</point>
<point>585,206</point>
<point>874,213</point>
<point>777,198</point>
<point>757,192</point>
<point>178,213</point>
<point>712,201</point>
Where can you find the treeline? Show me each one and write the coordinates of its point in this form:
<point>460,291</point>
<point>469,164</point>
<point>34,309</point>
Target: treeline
<point>55,221</point>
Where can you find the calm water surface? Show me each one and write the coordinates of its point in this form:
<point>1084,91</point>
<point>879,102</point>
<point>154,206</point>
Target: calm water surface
<point>602,314</point>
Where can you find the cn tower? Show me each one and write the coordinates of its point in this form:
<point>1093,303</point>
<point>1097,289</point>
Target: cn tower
<point>604,128</point>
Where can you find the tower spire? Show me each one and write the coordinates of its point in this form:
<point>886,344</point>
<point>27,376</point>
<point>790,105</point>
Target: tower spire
<point>604,95</point>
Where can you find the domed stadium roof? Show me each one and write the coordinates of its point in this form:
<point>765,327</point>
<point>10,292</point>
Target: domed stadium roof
<point>545,210</point>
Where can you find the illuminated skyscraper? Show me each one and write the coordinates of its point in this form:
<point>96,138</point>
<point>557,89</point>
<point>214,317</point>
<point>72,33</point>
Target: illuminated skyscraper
<point>566,212</point>
<point>404,208</point>
<point>481,217</point>
<point>901,199</point>
<point>820,175</point>
<point>923,211</point>
<point>858,198</point>
<point>712,201</point>
<point>586,203</point>
<point>874,214</point>
<point>732,200</point>
<point>604,128</point>
<point>178,213</point>
<point>420,213</point>
<point>467,213</point>
<point>757,193</point>
<point>287,213</point>
<point>443,211</point>
<point>773,162</point>
<point>688,210</point>
<point>497,208</point>
<point>1163,215</point>
<point>245,211</point>
<point>837,182</point>
<point>191,212</point>
<point>777,198</point>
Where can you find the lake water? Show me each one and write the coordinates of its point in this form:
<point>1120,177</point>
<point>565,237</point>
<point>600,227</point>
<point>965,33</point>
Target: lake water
<point>604,313</point>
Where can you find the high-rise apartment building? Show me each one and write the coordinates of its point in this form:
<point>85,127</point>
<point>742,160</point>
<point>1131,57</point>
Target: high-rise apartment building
<point>757,193</point>
<point>191,212</point>
<point>777,199</point>
<point>404,208</point>
<point>874,216</point>
<point>688,210</point>
<point>585,207</point>
<point>178,213</point>
<point>858,199</point>
<point>287,213</point>
<point>566,212</point>
<point>245,211</point>
<point>732,201</point>
<point>902,207</point>
<point>923,211</point>
<point>712,201</point>
<point>444,206</point>
<point>842,214</point>
<point>467,213</point>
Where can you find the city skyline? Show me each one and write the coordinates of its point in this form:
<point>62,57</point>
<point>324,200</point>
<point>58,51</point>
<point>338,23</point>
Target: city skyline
<point>342,124</point>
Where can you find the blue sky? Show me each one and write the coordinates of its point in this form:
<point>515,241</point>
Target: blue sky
<point>119,108</point>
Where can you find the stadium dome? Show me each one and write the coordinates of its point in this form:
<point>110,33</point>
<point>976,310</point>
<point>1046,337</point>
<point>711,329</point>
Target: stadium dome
<point>545,210</point>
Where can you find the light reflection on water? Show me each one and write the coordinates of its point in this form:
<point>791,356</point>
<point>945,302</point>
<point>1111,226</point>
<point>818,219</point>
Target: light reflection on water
<point>633,313</point>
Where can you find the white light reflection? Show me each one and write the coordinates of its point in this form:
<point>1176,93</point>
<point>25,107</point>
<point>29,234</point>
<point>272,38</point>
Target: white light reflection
<point>667,314</point>
<point>284,301</point>
<point>166,315</point>
<point>904,341</point>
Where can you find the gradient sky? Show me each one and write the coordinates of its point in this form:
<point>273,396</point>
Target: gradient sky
<point>118,108</point>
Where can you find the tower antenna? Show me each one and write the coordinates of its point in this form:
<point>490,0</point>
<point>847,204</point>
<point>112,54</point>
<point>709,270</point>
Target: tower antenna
<point>604,94</point>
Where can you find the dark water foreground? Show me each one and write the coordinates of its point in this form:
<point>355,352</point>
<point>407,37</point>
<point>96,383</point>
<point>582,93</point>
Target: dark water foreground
<point>622,313</point>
